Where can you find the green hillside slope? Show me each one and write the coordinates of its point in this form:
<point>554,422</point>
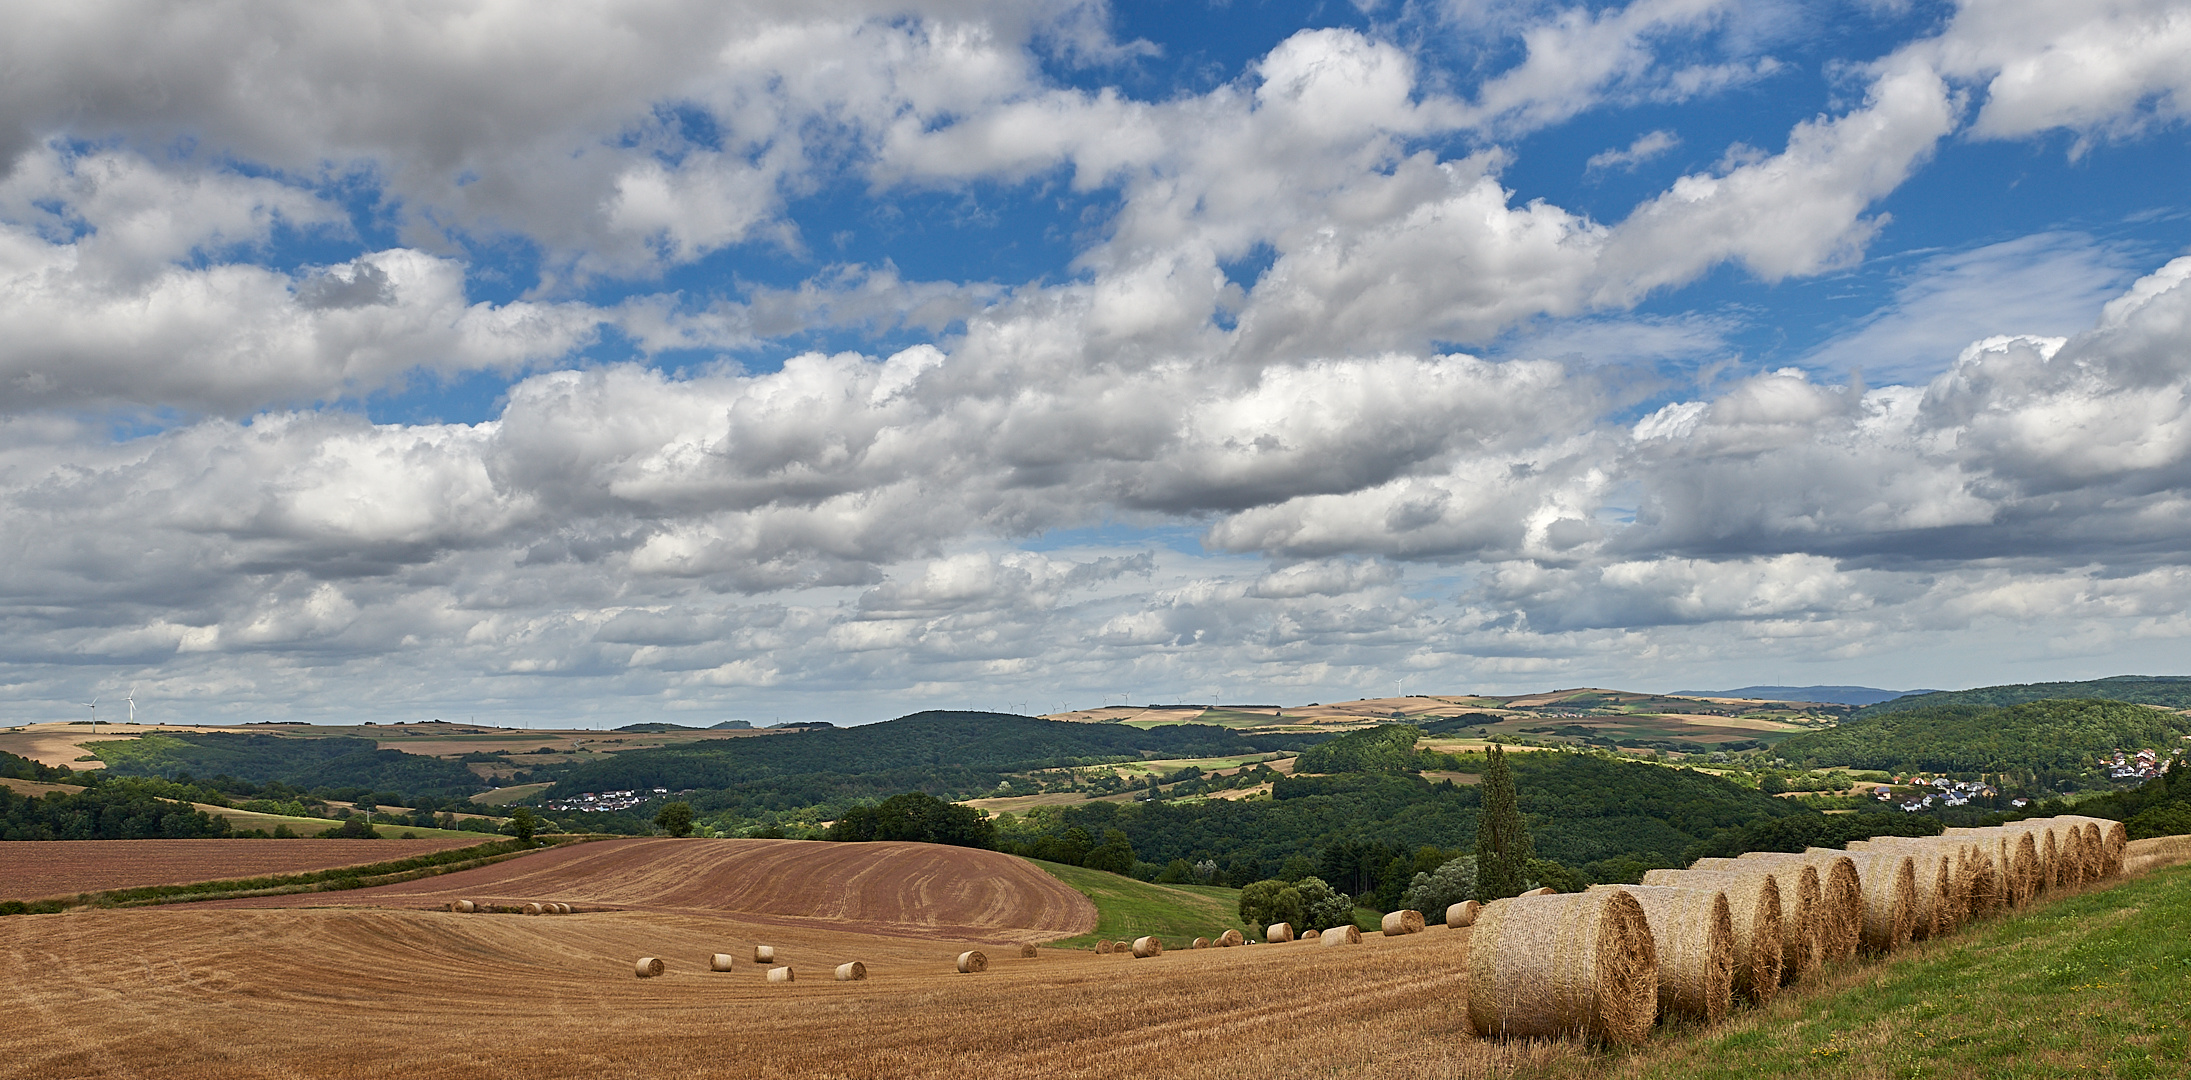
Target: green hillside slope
<point>2173,691</point>
<point>2058,740</point>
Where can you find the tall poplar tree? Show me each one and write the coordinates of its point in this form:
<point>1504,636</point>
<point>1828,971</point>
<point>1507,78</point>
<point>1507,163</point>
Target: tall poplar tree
<point>1502,844</point>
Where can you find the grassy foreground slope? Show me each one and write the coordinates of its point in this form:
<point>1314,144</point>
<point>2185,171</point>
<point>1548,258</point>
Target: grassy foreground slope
<point>1127,909</point>
<point>2091,985</point>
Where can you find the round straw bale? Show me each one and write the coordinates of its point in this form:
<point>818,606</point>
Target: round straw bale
<point>1462,914</point>
<point>532,909</point>
<point>1889,881</point>
<point>1279,931</point>
<point>1026,952</point>
<point>1122,948</point>
<point>1940,864</point>
<point>1542,890</point>
<point>2024,870</point>
<point>2095,851</point>
<point>1230,938</point>
<point>779,974</point>
<point>764,954</point>
<point>1567,964</point>
<point>853,971</point>
<point>1758,916</point>
<point>1147,946</point>
<point>1103,948</point>
<point>1693,931</point>
<point>719,961</point>
<point>464,907</point>
<point>1349,934</point>
<point>1397,923</point>
<point>1204,943</point>
<point>1838,914</point>
<point>973,962</point>
<point>648,967</point>
<point>2117,837</point>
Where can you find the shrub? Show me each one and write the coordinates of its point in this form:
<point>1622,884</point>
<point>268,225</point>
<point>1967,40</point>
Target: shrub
<point>1442,888</point>
<point>1271,901</point>
<point>1323,907</point>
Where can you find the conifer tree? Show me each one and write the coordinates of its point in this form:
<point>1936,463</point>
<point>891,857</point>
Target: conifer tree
<point>1502,844</point>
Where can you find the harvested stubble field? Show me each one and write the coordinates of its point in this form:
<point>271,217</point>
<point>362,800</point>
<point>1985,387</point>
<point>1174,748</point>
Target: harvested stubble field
<point>922,890</point>
<point>191,990</point>
<point>37,869</point>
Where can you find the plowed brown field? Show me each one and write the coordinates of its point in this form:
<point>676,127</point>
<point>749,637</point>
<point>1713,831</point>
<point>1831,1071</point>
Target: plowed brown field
<point>36,869</point>
<point>920,890</point>
<point>188,993</point>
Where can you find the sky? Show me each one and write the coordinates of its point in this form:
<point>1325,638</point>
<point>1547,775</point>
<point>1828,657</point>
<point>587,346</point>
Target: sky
<point>549,363</point>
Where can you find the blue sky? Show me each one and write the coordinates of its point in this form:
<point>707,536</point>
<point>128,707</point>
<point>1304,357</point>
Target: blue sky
<point>616,362</point>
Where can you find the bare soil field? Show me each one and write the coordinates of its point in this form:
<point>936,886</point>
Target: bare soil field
<point>912,890</point>
<point>37,869</point>
<point>195,994</point>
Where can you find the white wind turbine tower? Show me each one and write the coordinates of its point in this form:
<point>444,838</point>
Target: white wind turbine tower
<point>133,705</point>
<point>93,705</point>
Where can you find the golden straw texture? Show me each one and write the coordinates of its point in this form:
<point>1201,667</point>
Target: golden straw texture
<point>1397,923</point>
<point>1567,964</point>
<point>1278,932</point>
<point>1757,914</point>
<point>779,974</point>
<point>1230,938</point>
<point>719,962</point>
<point>1145,947</point>
<point>764,954</point>
<point>1889,883</point>
<point>648,967</point>
<point>972,962</point>
<point>1462,914</point>
<point>853,971</point>
<point>1693,931</point>
<point>1349,934</point>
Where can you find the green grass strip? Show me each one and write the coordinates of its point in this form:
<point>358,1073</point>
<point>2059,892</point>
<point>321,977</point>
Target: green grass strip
<point>2097,984</point>
<point>1127,909</point>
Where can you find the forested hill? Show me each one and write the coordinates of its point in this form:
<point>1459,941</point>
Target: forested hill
<point>2173,691</point>
<point>303,763</point>
<point>2056,739</point>
<point>952,754</point>
<point>1610,818</point>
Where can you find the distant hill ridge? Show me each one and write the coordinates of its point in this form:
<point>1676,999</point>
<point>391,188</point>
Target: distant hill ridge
<point>1831,695</point>
<point>2173,691</point>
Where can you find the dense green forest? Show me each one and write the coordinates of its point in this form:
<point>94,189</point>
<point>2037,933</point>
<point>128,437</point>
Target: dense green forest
<point>2173,691</point>
<point>953,755</point>
<point>2056,743</point>
<point>302,763</point>
<point>123,810</point>
<point>1608,818</point>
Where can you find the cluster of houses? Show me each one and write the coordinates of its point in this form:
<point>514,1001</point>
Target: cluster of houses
<point>2143,765</point>
<point>1948,793</point>
<point>606,800</point>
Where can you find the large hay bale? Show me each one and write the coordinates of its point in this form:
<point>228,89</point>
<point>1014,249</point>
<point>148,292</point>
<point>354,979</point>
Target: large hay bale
<point>1889,882</point>
<point>1147,946</point>
<point>648,967</point>
<point>1349,934</point>
<point>853,971</point>
<point>764,954</point>
<point>2024,870</point>
<point>463,907</point>
<point>1204,943</point>
<point>1942,893</point>
<point>1693,931</point>
<point>719,962</point>
<point>1398,923</point>
<point>1462,914</point>
<point>1230,938</point>
<point>1542,890</point>
<point>1103,948</point>
<point>1567,964</point>
<point>779,974</point>
<point>1758,914</point>
<point>1838,916</point>
<point>1026,952</point>
<point>1278,932</point>
<point>973,962</point>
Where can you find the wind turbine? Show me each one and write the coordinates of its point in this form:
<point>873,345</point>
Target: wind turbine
<point>93,705</point>
<point>132,705</point>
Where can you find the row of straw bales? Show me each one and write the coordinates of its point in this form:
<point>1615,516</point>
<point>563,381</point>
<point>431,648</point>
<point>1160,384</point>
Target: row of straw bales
<point>1607,963</point>
<point>537,907</point>
<point>649,967</point>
